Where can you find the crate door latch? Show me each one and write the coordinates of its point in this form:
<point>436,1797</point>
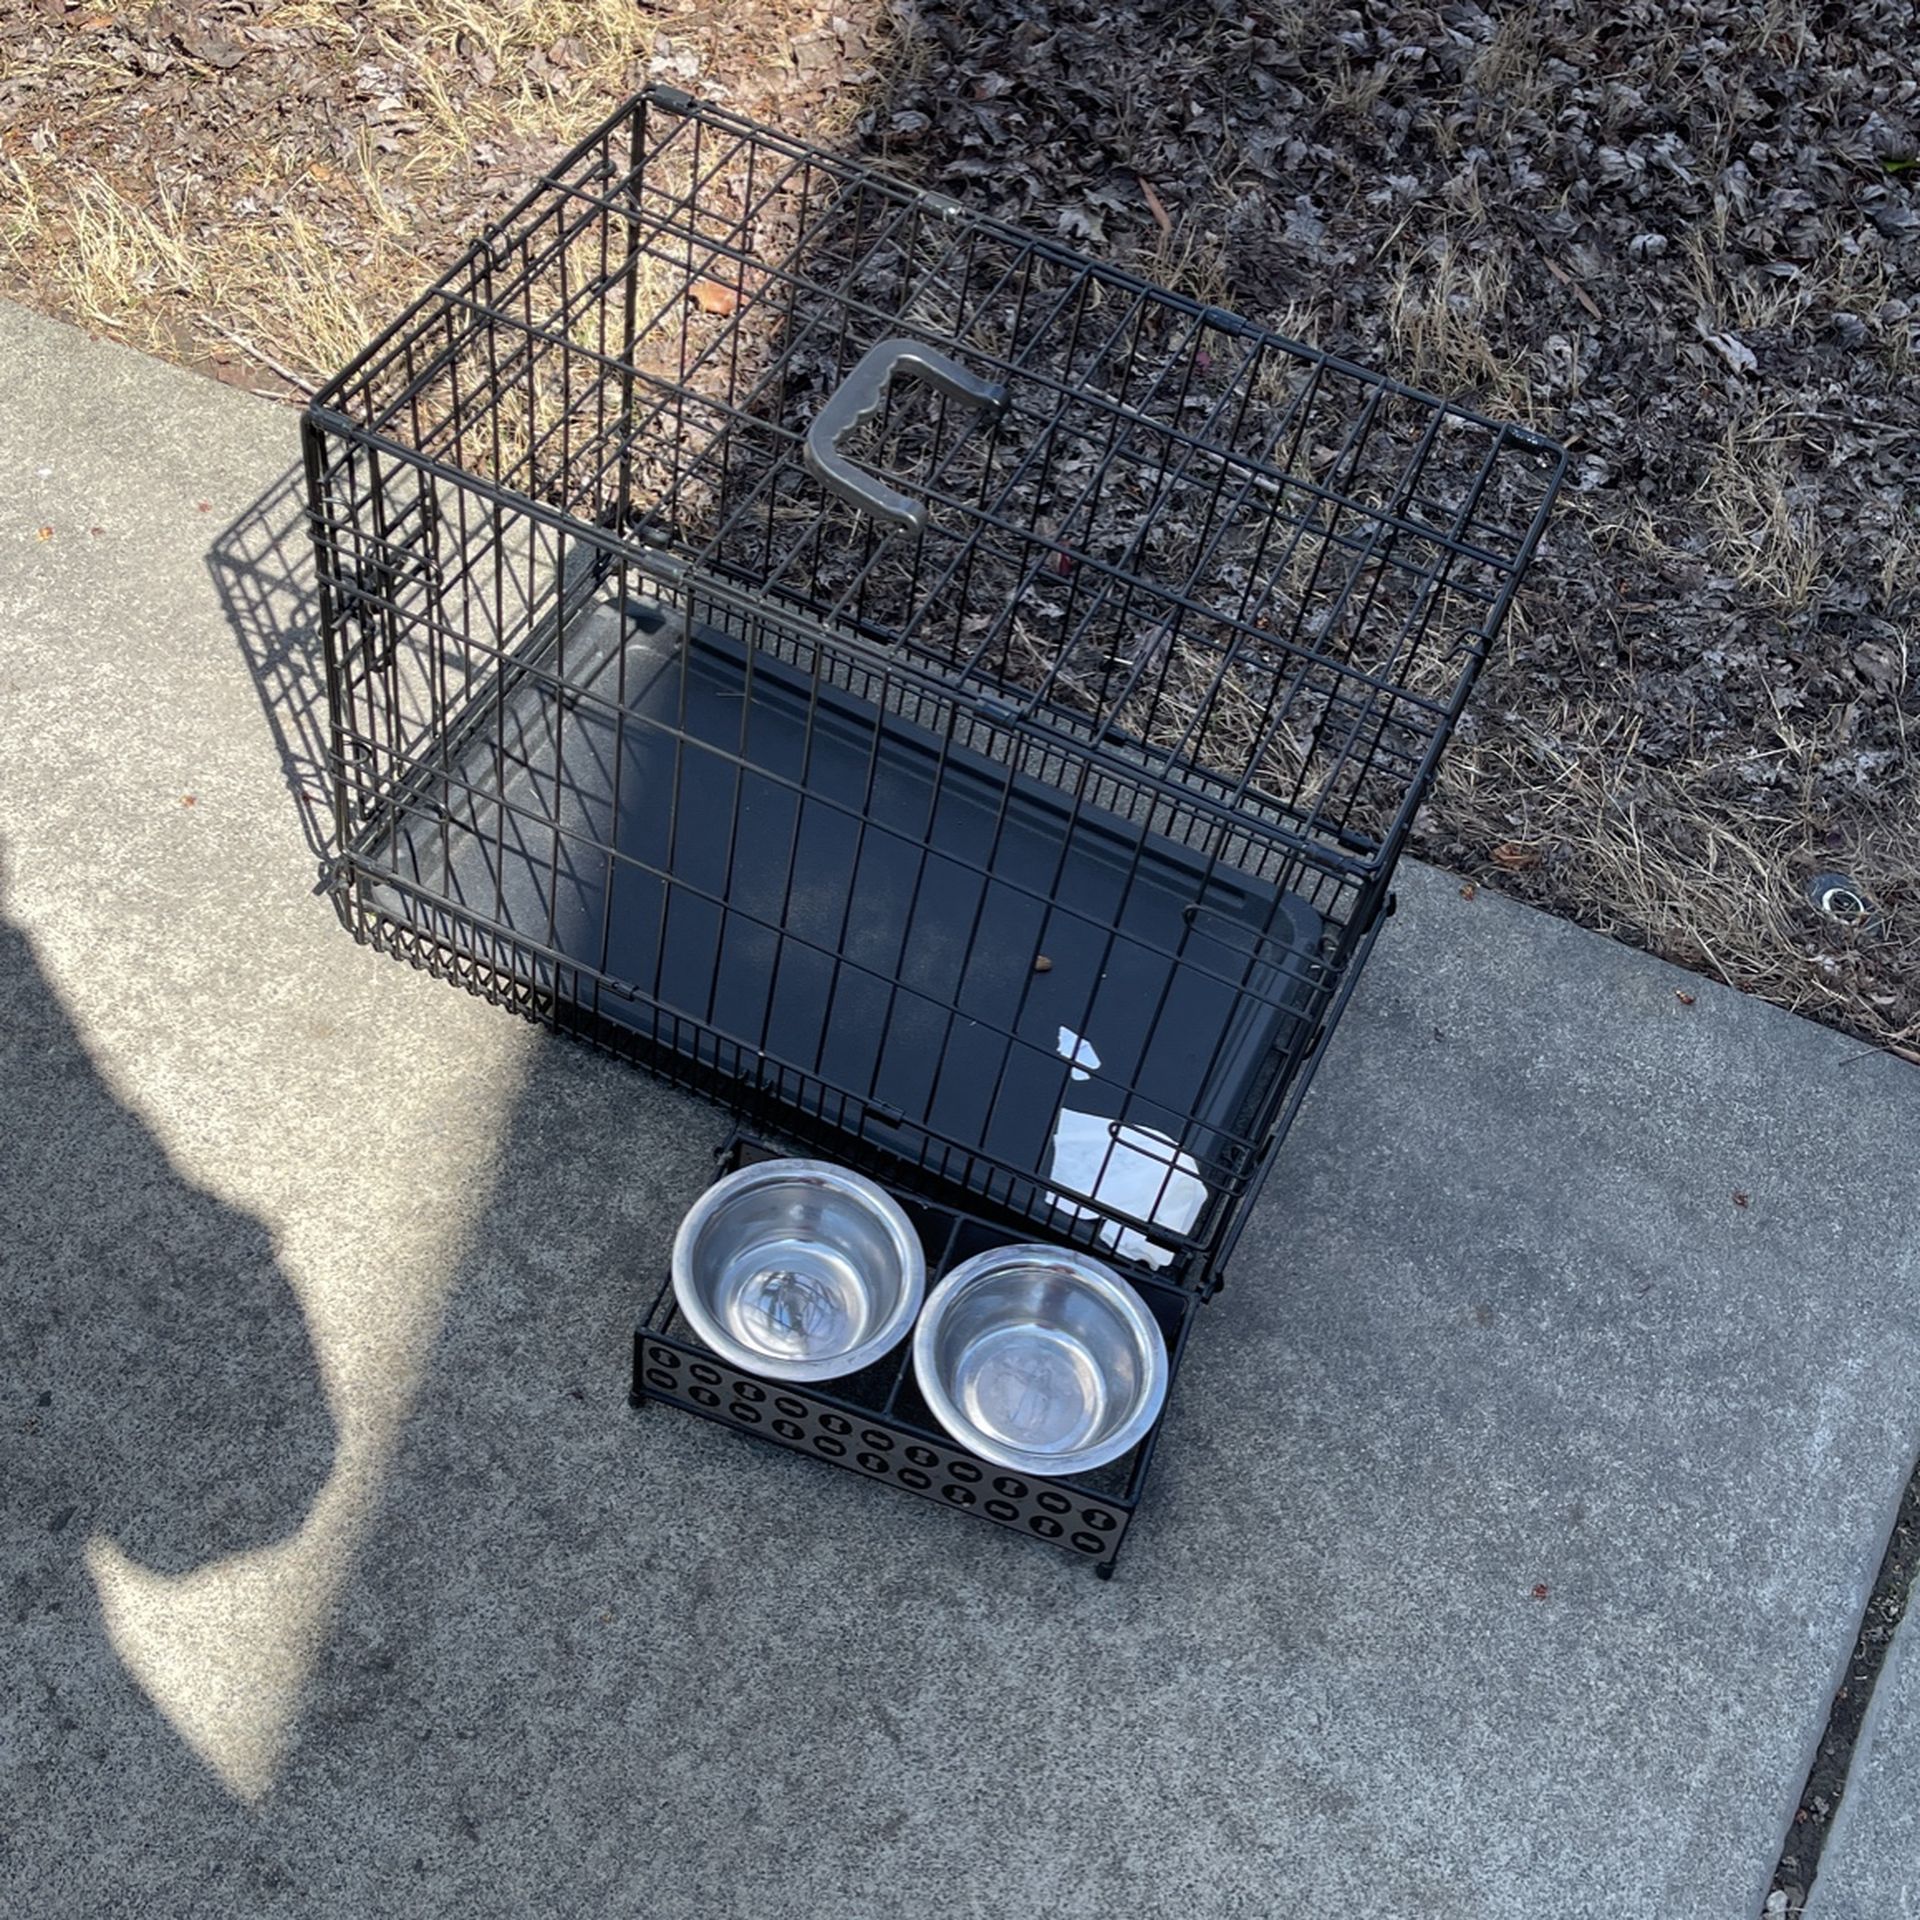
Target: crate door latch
<point>859,397</point>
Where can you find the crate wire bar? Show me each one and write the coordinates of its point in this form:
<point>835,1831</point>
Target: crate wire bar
<point>951,701</point>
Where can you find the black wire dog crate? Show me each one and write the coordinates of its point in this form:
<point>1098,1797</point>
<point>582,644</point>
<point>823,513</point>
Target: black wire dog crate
<point>951,701</point>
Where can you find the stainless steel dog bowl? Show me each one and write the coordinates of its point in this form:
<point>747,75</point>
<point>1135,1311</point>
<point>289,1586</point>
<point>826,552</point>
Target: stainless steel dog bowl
<point>1040,1359</point>
<point>798,1270</point>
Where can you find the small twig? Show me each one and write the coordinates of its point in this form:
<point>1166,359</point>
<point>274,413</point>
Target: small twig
<point>304,381</point>
<point>1874,1053</point>
<point>1398,230</point>
<point>1572,286</point>
<point>1873,429</point>
<point>1725,976</point>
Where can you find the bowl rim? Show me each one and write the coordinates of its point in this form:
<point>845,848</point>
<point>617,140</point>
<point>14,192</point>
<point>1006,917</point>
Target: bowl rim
<point>1084,1268</point>
<point>826,1173</point>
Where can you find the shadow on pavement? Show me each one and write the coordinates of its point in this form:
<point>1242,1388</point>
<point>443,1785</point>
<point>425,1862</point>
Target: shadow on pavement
<point>522,1441</point>
<point>262,568</point>
<point>164,1410</point>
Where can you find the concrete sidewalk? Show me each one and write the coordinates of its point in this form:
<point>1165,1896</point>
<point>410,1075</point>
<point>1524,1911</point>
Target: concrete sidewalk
<point>1510,1528</point>
<point>1871,1867</point>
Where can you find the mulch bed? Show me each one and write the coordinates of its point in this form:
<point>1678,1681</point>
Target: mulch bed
<point>1682,235</point>
<point>1685,238</point>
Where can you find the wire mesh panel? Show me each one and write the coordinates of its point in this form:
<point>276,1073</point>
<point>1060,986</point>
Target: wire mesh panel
<point>871,661</point>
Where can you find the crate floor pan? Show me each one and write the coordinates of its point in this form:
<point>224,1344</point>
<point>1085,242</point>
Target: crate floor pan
<point>964,965</point>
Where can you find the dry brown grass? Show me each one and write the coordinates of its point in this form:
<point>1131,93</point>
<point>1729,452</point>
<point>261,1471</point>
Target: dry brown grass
<point>1783,27</point>
<point>308,238</point>
<point>1764,535</point>
<point>1443,301</point>
<point>1703,863</point>
<point>1190,253</point>
<point>1789,294</point>
<point>130,265</point>
<point>1511,67</point>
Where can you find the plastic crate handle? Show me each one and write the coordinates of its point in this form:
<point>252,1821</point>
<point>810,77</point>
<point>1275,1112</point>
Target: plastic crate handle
<point>859,397</point>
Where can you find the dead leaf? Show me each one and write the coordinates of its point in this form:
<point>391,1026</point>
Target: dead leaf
<point>1728,345</point>
<point>479,61</point>
<point>209,45</point>
<point>1571,285</point>
<point>1515,857</point>
<point>1159,212</point>
<point>1468,891</point>
<point>710,296</point>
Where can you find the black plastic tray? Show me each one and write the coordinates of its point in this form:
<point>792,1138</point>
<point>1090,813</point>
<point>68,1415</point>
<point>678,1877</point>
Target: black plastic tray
<point>845,895</point>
